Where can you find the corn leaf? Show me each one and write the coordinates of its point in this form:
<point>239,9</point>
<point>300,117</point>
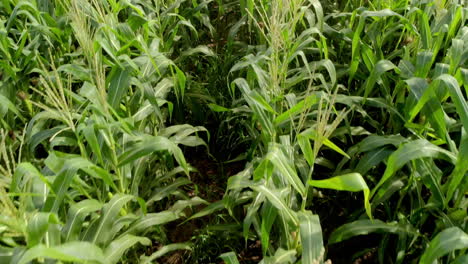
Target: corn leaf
<point>443,243</point>
<point>352,182</point>
<point>80,252</point>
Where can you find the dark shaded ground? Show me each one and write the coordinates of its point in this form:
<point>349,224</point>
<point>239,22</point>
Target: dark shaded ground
<point>209,183</point>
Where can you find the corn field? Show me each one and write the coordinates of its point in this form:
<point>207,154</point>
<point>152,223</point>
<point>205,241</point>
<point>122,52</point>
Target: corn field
<point>234,131</point>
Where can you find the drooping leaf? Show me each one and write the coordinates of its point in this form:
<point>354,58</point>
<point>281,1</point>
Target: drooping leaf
<point>311,134</point>
<point>164,250</point>
<point>5,102</point>
<point>297,109</point>
<point>81,252</point>
<point>371,159</point>
<point>448,240</point>
<point>63,180</point>
<point>352,182</point>
<point>229,258</point>
<point>167,190</point>
<point>76,215</point>
<point>117,248</point>
<point>24,172</point>
<point>276,200</point>
<point>149,220</point>
<point>381,67</point>
<point>413,150</point>
<point>153,144</point>
<point>213,207</point>
<point>364,227</point>
<point>281,256</point>
<point>100,231</point>
<point>38,227</point>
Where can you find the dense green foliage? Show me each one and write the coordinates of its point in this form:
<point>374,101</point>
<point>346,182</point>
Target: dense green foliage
<point>244,131</point>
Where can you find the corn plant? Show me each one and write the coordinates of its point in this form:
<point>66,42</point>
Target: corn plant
<point>337,131</point>
<point>103,133</point>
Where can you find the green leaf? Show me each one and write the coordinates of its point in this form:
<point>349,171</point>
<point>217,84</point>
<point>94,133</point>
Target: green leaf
<point>5,102</point>
<point>458,54</point>
<point>167,190</point>
<point>380,68</point>
<point>328,65</point>
<point>229,258</point>
<point>431,177</point>
<point>297,109</point>
<point>119,82</point>
<point>136,21</point>
<point>281,256</point>
<point>269,213</point>
<point>218,108</point>
<point>63,180</point>
<point>6,254</point>
<point>352,182</point>
<point>285,166</point>
<point>417,149</point>
<point>380,13</point>
<point>371,159</point>
<point>318,12</point>
<point>306,147</point>
<point>260,101</point>
<point>76,215</point>
<point>252,211</point>
<point>117,248</point>
<point>426,34</point>
<point>80,252</point>
<point>42,135</point>
<point>312,134</point>
<point>455,22</point>
<point>355,48</point>
<point>261,109</point>
<point>25,172</point>
<point>184,135</point>
<point>311,237</point>
<point>201,49</point>
<point>213,207</point>
<point>102,174</point>
<point>275,199</point>
<point>364,227</point>
<point>164,250</point>
<point>179,206</point>
<point>461,167</point>
<point>90,135</point>
<point>387,190</point>
<point>149,220</point>
<point>423,64</point>
<point>100,231</point>
<point>76,70</point>
<point>448,240</point>
<point>38,227</point>
<point>426,96</point>
<point>457,97</point>
<point>461,260</point>
<point>373,142</point>
<point>264,170</point>
<point>150,145</point>
<point>181,80</point>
